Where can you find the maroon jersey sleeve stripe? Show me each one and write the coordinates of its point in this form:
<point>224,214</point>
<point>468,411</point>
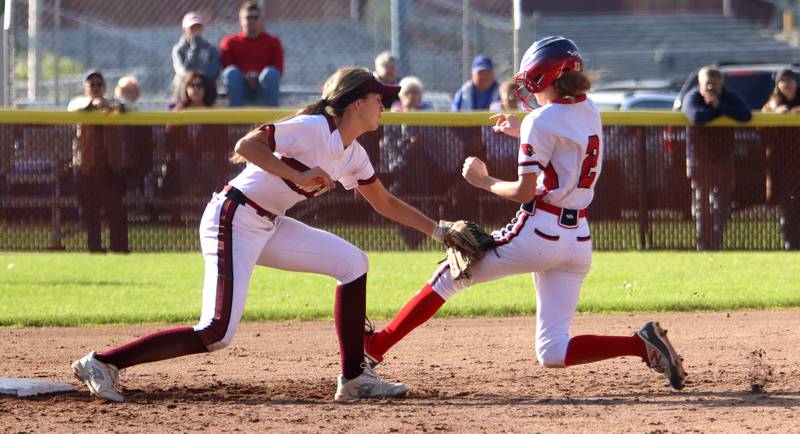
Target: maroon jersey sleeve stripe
<point>300,167</point>
<point>369,180</point>
<point>270,130</point>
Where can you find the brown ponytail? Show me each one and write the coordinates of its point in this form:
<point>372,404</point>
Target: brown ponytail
<point>334,99</point>
<point>572,84</point>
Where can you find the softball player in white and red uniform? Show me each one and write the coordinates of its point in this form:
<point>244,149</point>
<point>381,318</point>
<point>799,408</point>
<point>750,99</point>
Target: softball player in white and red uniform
<point>560,160</point>
<point>245,225</point>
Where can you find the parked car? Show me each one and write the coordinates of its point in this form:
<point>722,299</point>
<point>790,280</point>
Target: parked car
<point>650,94</point>
<point>632,100</point>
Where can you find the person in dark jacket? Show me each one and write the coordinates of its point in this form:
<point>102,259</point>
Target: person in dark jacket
<point>193,52</point>
<point>783,158</point>
<point>710,154</point>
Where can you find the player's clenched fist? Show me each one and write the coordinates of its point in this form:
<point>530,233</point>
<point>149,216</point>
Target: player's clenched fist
<point>474,171</point>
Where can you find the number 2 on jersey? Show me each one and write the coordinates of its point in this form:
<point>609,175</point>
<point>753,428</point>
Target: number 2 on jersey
<point>589,163</point>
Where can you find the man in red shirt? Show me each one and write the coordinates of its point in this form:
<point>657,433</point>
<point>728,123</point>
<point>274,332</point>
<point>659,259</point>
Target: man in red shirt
<point>252,61</point>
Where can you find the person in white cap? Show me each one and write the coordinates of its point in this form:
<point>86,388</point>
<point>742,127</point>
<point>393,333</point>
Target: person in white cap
<point>193,52</point>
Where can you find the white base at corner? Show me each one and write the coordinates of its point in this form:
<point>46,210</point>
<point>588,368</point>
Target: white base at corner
<point>30,387</point>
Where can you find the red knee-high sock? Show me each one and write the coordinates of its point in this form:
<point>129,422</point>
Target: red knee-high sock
<point>166,344</point>
<point>349,312</point>
<point>591,348</point>
<point>416,311</point>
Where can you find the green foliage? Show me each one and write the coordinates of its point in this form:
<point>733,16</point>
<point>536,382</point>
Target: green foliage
<point>74,288</point>
<point>66,66</point>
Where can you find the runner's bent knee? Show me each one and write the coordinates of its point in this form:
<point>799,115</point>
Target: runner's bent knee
<point>354,265</point>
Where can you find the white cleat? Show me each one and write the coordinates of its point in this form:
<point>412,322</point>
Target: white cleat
<point>367,385</point>
<point>101,378</point>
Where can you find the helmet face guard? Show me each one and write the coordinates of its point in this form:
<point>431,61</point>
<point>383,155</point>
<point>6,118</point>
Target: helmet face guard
<point>523,93</point>
<point>543,63</point>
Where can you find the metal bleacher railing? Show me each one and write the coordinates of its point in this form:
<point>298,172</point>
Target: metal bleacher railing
<point>172,162</point>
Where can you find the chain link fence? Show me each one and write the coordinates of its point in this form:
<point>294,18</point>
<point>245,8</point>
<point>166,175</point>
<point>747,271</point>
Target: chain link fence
<point>683,188</point>
<point>55,41</point>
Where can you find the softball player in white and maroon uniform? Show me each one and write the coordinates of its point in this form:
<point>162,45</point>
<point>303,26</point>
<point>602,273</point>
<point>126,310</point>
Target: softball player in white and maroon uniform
<point>560,160</point>
<point>245,225</point>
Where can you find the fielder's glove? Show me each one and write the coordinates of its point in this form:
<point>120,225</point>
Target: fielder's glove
<point>466,244</point>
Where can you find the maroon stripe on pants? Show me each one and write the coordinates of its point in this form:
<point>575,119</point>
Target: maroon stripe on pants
<point>215,332</point>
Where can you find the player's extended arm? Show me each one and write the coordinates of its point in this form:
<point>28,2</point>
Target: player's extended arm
<point>522,190</point>
<point>253,148</point>
<point>391,207</point>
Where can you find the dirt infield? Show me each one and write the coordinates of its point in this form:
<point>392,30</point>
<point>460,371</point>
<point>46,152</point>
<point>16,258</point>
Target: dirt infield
<point>465,375</point>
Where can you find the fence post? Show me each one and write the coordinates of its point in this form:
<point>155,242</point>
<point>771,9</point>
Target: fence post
<point>34,53</point>
<point>641,175</point>
<point>55,216</point>
<point>57,51</point>
<point>8,54</point>
<point>466,51</point>
<point>399,17</point>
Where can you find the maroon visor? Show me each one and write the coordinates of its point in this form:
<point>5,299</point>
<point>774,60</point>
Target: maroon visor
<point>373,85</point>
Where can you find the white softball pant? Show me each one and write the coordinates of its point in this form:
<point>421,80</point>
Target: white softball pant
<point>234,239</point>
<point>559,258</point>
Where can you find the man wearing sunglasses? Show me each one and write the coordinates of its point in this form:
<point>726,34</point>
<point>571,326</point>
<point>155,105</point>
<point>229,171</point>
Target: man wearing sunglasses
<point>98,164</point>
<point>252,61</point>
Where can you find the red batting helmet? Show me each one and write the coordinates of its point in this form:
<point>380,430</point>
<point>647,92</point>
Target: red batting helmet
<point>544,62</point>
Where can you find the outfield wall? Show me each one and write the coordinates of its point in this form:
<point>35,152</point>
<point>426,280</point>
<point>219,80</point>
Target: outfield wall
<point>165,165</point>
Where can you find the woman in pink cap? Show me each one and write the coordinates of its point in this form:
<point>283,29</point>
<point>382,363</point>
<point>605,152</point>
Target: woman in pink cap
<point>192,52</point>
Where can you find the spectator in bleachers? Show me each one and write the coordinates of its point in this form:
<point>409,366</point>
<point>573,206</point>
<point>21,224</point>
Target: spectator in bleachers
<point>127,93</point>
<point>501,148</point>
<point>193,52</point>
<point>412,159</point>
<point>476,94</point>
<point>252,61</point>
<point>386,71</point>
<point>784,98</point>
<point>710,154</point>
<point>194,93</point>
<point>508,99</point>
<point>481,90</point>
<point>193,149</point>
<point>136,141</point>
<point>98,163</point>
<point>410,97</point>
<point>783,158</point>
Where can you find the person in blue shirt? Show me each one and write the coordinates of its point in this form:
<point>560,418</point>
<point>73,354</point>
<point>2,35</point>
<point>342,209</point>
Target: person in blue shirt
<point>710,154</point>
<point>481,90</point>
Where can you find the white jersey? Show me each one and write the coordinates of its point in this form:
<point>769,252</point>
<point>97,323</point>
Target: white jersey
<point>563,139</point>
<point>303,142</point>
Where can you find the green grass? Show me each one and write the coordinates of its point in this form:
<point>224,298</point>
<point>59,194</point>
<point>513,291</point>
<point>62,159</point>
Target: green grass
<point>72,288</point>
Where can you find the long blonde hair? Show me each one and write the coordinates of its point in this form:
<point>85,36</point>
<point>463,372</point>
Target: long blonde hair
<point>333,102</point>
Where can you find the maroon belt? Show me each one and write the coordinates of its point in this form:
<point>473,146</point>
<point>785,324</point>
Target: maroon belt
<point>237,196</point>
